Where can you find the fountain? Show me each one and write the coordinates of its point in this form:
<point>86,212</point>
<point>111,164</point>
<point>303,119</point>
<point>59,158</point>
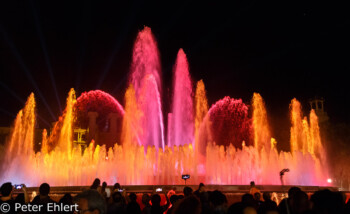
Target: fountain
<point>145,78</point>
<point>222,144</point>
<point>182,110</point>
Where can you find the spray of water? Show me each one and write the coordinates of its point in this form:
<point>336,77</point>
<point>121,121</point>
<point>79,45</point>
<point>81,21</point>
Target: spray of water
<point>220,145</point>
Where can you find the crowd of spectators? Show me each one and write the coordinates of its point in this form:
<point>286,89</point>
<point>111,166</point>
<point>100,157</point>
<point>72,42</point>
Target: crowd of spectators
<point>99,199</point>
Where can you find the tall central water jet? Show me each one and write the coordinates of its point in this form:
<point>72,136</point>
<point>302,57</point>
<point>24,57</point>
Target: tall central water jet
<point>182,106</point>
<point>145,78</point>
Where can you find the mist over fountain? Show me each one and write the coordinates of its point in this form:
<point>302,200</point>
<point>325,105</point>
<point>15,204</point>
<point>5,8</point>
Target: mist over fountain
<point>217,145</point>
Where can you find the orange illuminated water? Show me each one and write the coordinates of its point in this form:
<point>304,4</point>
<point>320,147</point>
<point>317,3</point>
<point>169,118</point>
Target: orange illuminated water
<point>249,152</point>
<point>22,137</point>
<point>130,164</point>
<point>262,135</point>
<point>132,117</point>
<point>201,110</point>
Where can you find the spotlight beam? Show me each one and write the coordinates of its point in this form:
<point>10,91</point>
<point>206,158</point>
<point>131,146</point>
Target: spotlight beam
<point>12,93</point>
<point>83,26</point>
<point>26,70</point>
<point>119,42</point>
<point>14,116</point>
<point>111,57</point>
<point>47,59</point>
<point>43,120</point>
<point>7,113</point>
<point>215,31</point>
<point>19,99</point>
<point>79,69</point>
<point>120,83</point>
<point>108,65</point>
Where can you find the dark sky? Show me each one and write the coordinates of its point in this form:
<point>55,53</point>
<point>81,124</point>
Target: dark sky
<point>281,49</point>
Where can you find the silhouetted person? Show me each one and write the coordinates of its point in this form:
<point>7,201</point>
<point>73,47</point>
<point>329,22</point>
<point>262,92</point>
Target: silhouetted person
<point>117,204</point>
<point>180,197</point>
<point>300,203</point>
<point>248,200</point>
<point>90,201</point>
<point>326,202</point>
<point>67,199</point>
<point>189,205</point>
<point>96,185</point>
<point>241,208</point>
<point>201,188</point>
<point>218,202</point>
<point>20,199</point>
<point>103,190</point>
<point>253,189</point>
<point>236,208</point>
<point>268,209</point>
<point>204,199</point>
<point>116,187</point>
<point>6,197</point>
<point>145,201</point>
<point>257,197</point>
<point>286,204</point>
<point>249,210</point>
<point>43,198</point>
<point>156,208</point>
<point>173,200</point>
<point>268,206</point>
<point>187,191</point>
<point>133,207</point>
<point>267,199</point>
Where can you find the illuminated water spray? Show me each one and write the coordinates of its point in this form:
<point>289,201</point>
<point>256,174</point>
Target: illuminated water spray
<point>201,109</point>
<point>132,117</point>
<point>262,135</point>
<point>66,135</point>
<point>22,137</point>
<point>151,122</point>
<point>182,107</point>
<point>146,80</point>
<point>223,144</point>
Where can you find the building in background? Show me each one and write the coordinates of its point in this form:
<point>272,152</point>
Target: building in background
<point>317,104</point>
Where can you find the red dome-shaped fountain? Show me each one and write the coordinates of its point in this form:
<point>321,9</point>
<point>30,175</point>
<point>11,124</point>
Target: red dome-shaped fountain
<point>96,101</point>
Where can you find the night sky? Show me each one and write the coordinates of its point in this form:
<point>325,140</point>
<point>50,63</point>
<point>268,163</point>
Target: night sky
<point>281,49</point>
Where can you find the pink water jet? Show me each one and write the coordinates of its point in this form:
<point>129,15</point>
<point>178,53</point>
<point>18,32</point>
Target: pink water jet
<point>145,60</point>
<point>145,78</point>
<point>152,120</point>
<point>181,121</point>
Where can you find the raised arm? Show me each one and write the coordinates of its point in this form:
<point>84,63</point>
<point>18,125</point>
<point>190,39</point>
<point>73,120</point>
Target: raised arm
<point>25,192</point>
<point>167,200</point>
